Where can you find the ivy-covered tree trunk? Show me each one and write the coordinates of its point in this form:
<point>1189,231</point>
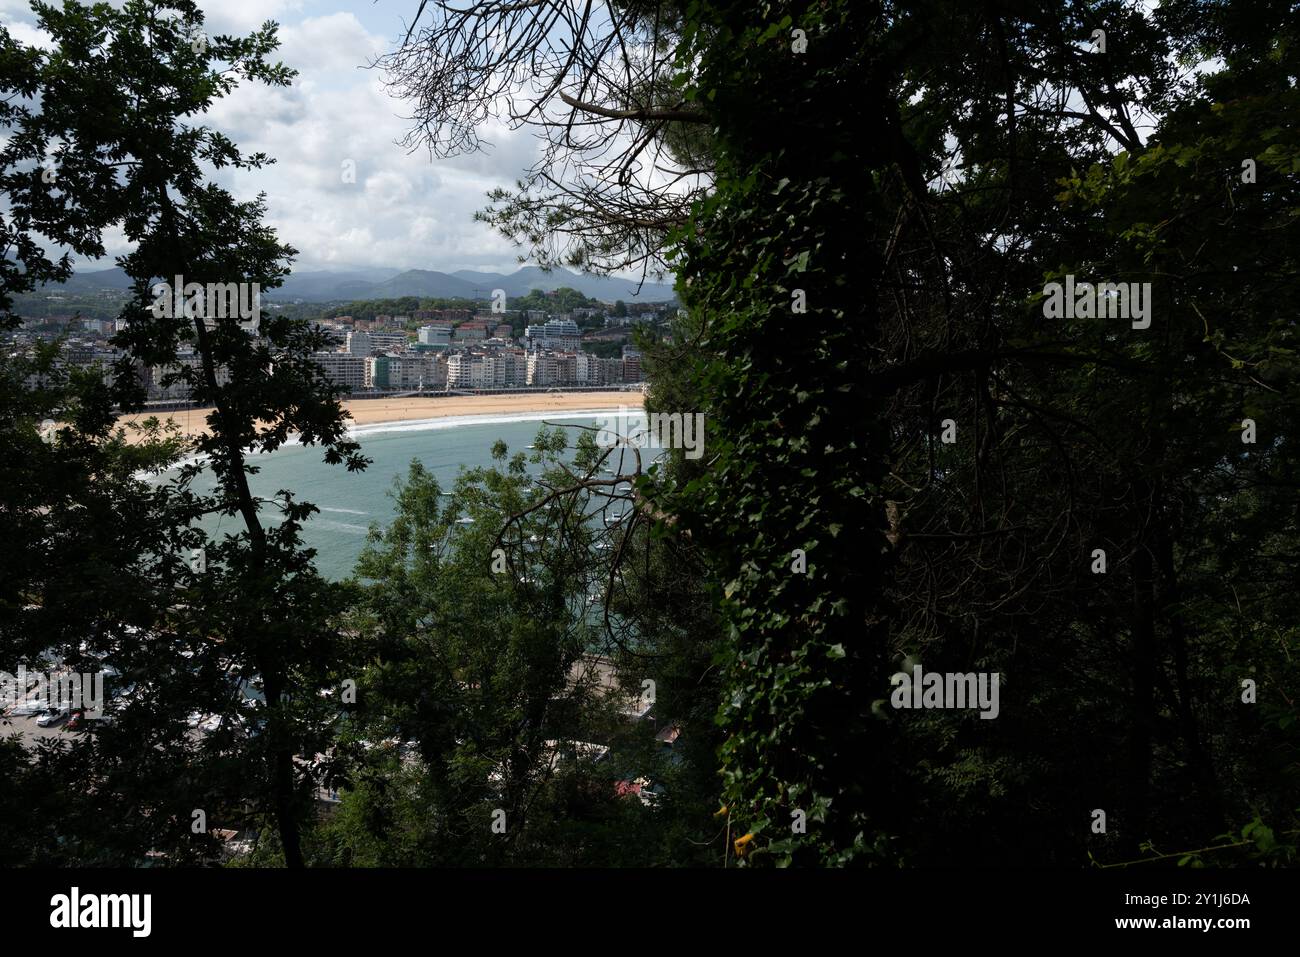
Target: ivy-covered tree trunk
<point>782,269</point>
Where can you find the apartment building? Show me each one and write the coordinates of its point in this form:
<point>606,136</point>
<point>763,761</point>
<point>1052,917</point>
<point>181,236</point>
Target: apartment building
<point>552,368</point>
<point>358,344</point>
<point>374,343</point>
<point>465,370</point>
<point>437,335</point>
<point>470,332</point>
<point>490,369</point>
<point>593,370</point>
<point>394,371</point>
<point>505,368</point>
<point>343,369</point>
<point>562,335</point>
<point>631,364</point>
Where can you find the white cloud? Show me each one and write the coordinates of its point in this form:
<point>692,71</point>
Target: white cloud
<point>403,210</point>
<point>242,16</point>
<point>400,209</point>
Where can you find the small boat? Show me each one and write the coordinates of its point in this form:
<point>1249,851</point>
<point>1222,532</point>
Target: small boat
<point>464,521</point>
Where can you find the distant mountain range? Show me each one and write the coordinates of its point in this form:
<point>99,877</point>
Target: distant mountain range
<point>348,285</point>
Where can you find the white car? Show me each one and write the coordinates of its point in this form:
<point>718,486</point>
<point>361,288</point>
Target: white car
<point>51,717</point>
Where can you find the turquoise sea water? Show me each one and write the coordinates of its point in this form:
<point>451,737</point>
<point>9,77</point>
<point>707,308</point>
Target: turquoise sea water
<point>350,502</point>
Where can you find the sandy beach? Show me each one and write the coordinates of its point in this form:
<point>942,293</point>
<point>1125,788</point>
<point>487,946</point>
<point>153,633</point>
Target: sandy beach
<point>376,411</point>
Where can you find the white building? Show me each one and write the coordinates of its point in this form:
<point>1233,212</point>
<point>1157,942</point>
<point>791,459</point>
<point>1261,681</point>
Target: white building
<point>503,369</point>
<point>593,370</point>
<point>552,368</point>
<point>543,368</point>
<point>343,369</point>
<point>465,370</point>
<point>374,343</point>
<point>436,335</point>
<point>561,335</point>
<point>404,372</point>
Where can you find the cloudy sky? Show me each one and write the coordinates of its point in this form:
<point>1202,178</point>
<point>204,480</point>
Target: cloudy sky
<point>403,211</point>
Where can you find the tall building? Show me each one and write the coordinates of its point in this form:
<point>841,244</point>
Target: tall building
<point>587,369</point>
<point>505,368</point>
<point>593,370</point>
<point>611,371</point>
<point>465,370</point>
<point>438,371</point>
<point>552,368</point>
<point>631,364</point>
<point>343,369</point>
<point>566,365</point>
<point>487,369</point>
<point>358,344</point>
<point>374,343</point>
<point>542,369</point>
<point>403,372</point>
<point>555,334</point>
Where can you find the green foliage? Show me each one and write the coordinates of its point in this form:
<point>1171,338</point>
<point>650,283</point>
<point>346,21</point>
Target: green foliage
<point>479,695</point>
<point>923,303</point>
<point>118,89</point>
<point>369,309</point>
<point>559,300</point>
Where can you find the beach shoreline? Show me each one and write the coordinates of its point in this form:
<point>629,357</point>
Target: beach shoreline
<point>370,412</point>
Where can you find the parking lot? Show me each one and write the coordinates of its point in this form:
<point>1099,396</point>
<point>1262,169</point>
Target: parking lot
<point>27,727</point>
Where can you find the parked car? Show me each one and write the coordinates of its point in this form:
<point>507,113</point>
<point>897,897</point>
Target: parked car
<point>51,717</point>
<point>76,720</point>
